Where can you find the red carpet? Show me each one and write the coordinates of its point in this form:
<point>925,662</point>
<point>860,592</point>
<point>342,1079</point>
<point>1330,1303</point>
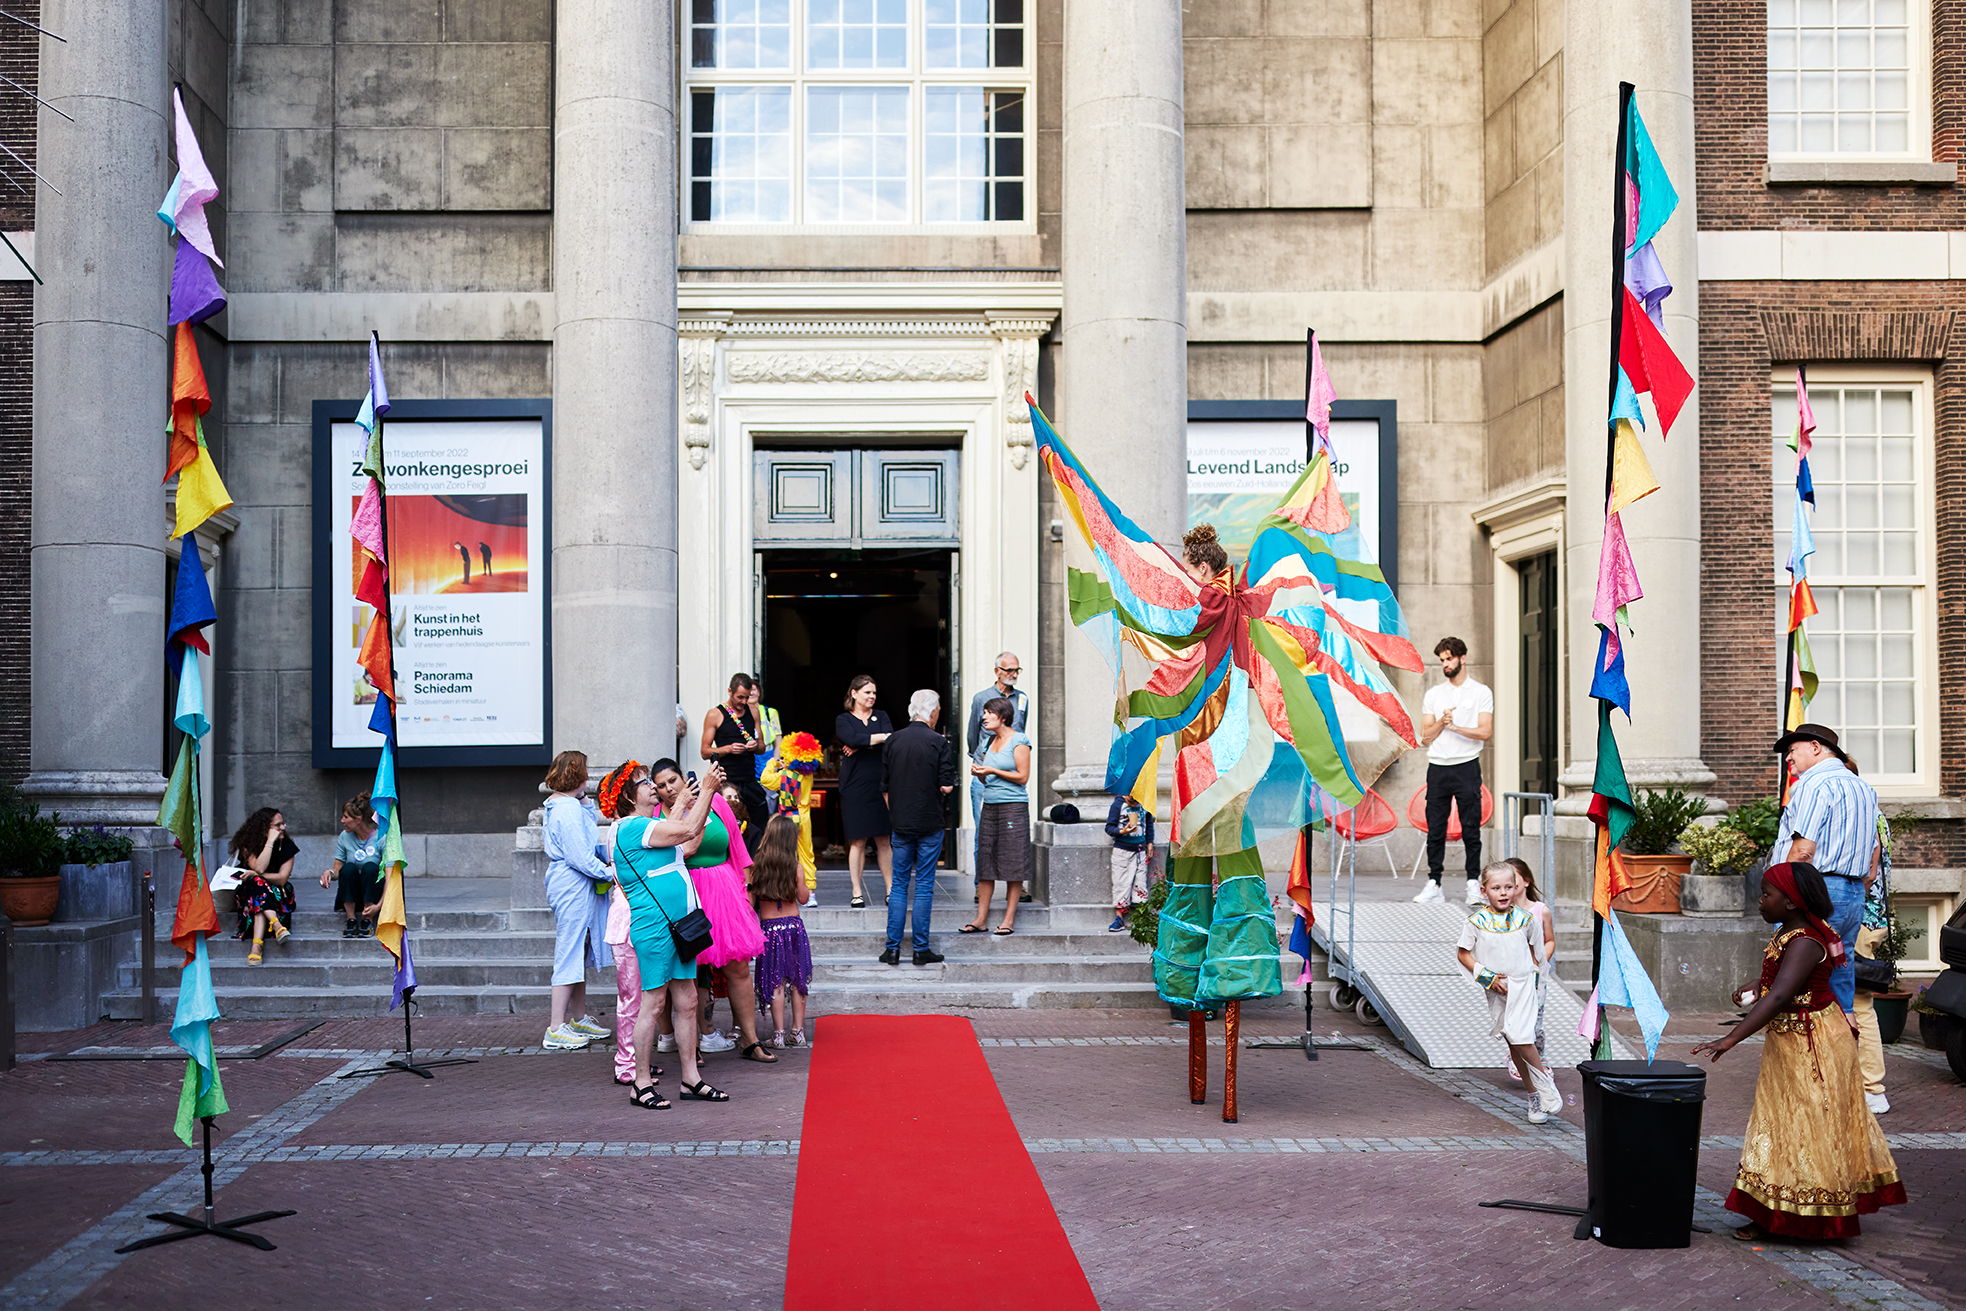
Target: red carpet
<point>914,1189</point>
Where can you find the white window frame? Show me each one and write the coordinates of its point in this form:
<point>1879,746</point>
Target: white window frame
<point>915,76</point>
<point>1923,781</point>
<point>1918,100</point>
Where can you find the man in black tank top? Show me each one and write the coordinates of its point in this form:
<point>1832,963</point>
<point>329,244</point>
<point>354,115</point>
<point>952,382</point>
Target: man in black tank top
<point>730,739</point>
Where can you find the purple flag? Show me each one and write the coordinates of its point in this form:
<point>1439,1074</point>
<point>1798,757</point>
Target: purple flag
<point>195,293</point>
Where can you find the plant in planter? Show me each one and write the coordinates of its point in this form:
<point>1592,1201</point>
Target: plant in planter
<point>31,846</point>
<point>1718,850</point>
<point>1654,868</point>
<point>1933,1023</point>
<point>1759,821</point>
<point>96,846</point>
<point>95,876</point>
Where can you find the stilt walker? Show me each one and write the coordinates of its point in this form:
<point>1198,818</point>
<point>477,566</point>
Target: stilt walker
<point>1246,671</point>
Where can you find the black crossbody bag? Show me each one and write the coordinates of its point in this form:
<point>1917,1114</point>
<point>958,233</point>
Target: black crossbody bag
<point>691,933</point>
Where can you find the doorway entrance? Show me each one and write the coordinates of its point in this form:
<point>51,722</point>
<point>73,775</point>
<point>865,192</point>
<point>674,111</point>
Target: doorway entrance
<point>826,616</point>
<point>1538,665</point>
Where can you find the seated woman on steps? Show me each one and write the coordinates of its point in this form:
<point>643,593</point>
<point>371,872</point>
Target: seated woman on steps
<point>265,892</point>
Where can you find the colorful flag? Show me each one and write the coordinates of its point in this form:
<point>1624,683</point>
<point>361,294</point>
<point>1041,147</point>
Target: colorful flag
<point>1622,981</point>
<point>197,1007</point>
<point>200,491</point>
<point>1800,684</point>
<point>1319,395</point>
<point>183,207</point>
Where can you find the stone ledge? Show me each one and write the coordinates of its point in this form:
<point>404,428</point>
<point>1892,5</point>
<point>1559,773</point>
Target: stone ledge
<point>1949,882</point>
<point>1860,173</point>
<point>1922,807</point>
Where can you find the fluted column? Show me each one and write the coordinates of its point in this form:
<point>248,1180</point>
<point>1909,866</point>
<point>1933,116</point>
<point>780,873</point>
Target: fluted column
<point>1651,46</point>
<point>1123,328</point>
<point>101,390</point>
<point>614,379</point>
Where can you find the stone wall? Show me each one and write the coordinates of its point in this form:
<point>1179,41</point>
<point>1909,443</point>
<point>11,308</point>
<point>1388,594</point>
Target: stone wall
<point>19,60</point>
<point>1522,128</point>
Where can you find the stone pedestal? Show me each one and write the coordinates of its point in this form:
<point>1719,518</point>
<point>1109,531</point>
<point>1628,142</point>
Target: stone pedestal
<point>1075,866</point>
<point>1714,895</point>
<point>1697,962</point>
<point>529,865</point>
<point>61,971</point>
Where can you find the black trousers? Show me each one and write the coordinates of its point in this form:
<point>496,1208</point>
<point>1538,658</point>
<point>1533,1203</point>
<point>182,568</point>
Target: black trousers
<point>1454,785</point>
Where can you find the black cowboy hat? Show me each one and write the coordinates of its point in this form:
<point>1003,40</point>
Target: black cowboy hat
<point>1811,733</point>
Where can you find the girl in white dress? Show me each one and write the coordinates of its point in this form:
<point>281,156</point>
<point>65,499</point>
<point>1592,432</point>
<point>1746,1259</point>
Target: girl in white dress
<point>1502,947</point>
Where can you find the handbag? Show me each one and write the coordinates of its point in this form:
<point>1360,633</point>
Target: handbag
<point>691,933</point>
<point>1876,975</point>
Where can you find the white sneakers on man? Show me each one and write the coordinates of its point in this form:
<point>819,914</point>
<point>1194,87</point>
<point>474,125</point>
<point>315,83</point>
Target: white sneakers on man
<point>1877,1102</point>
<point>564,1038</point>
<point>665,1042</point>
<point>1474,892</point>
<point>1431,892</point>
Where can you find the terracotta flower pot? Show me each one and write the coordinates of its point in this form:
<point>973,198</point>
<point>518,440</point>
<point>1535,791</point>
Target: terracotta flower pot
<point>30,903</point>
<point>1655,884</point>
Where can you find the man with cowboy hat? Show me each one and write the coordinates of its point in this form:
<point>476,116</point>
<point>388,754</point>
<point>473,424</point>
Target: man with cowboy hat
<point>1830,822</point>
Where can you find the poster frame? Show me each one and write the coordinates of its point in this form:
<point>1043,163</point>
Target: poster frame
<point>330,497</point>
<point>1387,415</point>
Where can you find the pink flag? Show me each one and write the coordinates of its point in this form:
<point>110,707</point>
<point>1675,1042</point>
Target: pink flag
<point>366,528</point>
<point>1587,1022</point>
<point>1317,403</point>
<point>1805,417</point>
<point>1617,576</point>
<point>193,186</point>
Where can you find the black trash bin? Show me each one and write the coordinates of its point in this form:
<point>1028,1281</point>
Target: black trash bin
<point>1642,1142</point>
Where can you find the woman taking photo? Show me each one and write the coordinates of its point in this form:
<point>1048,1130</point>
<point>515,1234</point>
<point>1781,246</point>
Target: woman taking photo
<point>265,893</point>
<point>731,739</point>
<point>578,882</point>
<point>1003,834</point>
<point>861,730</point>
<point>717,860</point>
<point>648,859</point>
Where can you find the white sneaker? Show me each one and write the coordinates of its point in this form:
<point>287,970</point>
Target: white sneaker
<point>562,1038</point>
<point>665,1042</point>
<point>1537,1115</point>
<point>812,899</point>
<point>587,1028</point>
<point>1474,892</point>
<point>1546,1088</point>
<point>1877,1102</point>
<point>1429,893</point>
<point>715,1042</point>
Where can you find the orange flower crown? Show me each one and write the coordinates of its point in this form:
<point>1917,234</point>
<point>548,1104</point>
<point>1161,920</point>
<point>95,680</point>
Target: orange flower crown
<point>801,752</point>
<point>609,795</point>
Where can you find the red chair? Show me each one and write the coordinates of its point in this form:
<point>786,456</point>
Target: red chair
<point>1371,822</point>
<point>1416,817</point>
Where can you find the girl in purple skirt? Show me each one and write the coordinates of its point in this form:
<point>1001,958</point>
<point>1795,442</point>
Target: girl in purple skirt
<point>784,971</point>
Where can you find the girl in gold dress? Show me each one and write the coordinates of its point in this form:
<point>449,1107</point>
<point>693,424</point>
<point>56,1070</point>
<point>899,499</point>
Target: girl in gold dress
<point>1813,1159</point>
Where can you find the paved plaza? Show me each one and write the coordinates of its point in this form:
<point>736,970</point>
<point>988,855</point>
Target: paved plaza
<point>526,1179</point>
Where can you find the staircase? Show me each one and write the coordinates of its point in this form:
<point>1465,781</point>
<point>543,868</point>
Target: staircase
<point>478,955</point>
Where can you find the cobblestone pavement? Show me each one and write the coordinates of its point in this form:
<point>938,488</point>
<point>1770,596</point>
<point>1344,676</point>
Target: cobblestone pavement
<point>526,1179</point>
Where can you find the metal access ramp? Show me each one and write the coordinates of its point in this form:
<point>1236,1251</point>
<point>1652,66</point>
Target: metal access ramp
<point>1400,956</point>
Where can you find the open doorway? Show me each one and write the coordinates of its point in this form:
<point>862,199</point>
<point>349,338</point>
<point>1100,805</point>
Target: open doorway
<point>828,615</point>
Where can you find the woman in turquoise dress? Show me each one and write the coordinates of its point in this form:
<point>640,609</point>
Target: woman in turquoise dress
<point>649,869</point>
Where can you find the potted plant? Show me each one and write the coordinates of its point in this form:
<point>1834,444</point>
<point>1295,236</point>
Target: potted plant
<point>31,846</point>
<point>1933,1023</point>
<point>1721,858</point>
<point>1891,1006</point>
<point>1760,822</point>
<point>95,876</point>
<point>1655,870</point>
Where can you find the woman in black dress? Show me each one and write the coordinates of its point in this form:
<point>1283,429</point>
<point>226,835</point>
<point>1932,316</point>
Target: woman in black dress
<point>863,810</point>
<point>731,739</point>
<point>265,894</point>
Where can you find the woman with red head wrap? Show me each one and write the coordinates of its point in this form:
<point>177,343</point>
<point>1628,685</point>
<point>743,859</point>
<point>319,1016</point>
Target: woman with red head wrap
<point>1813,1159</point>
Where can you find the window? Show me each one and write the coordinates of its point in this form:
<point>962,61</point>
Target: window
<point>1849,78</point>
<point>1871,571</point>
<point>851,112</point>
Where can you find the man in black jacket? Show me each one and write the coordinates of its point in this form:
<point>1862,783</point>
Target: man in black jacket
<point>918,770</point>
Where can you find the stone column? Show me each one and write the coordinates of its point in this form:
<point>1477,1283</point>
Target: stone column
<point>1651,45</point>
<point>101,388</point>
<point>614,379</point>
<point>1123,328</point>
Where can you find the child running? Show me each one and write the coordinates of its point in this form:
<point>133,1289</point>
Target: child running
<point>1813,1159</point>
<point>1502,945</point>
<point>1532,901</point>
<point>785,969</point>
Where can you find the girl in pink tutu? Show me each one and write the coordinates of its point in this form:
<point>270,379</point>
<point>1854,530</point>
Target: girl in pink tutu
<point>717,860</point>
<point>785,969</point>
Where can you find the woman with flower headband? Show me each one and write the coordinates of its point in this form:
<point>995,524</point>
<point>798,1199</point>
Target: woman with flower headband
<point>648,862</point>
<point>789,777</point>
<point>1813,1159</point>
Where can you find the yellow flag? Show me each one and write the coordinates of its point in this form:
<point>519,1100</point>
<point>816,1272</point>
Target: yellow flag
<point>1631,472</point>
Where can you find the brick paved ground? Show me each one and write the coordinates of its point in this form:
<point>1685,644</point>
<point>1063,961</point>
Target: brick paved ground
<point>526,1180</point>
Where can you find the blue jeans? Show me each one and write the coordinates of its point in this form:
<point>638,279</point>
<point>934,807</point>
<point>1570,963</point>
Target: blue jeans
<point>915,857</point>
<point>1846,904</point>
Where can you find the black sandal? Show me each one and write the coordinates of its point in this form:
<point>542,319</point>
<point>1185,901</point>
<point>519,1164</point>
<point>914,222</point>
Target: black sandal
<point>972,928</point>
<point>858,903</point>
<point>703,1092</point>
<point>763,1056</point>
<point>649,1099</point>
<point>628,1081</point>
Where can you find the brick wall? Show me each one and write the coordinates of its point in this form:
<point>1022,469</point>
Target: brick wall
<point>1746,329</point>
<point>1730,132</point>
<point>19,60</point>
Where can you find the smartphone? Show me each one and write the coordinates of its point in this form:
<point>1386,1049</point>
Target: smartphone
<point>690,778</point>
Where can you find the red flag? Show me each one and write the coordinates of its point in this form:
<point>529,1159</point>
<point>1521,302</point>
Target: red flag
<point>1802,603</point>
<point>1300,876</point>
<point>195,912</point>
<point>190,397</point>
<point>1650,364</point>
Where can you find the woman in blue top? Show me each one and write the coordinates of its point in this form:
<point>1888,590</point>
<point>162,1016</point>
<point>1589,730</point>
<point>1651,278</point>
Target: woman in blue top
<point>1003,834</point>
<point>578,882</point>
<point>648,857</point>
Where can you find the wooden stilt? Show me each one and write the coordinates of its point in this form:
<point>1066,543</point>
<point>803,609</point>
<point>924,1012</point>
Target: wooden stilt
<point>1232,1036</point>
<point>1197,1058</point>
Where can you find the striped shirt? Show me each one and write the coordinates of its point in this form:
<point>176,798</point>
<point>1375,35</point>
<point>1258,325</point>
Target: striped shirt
<point>1837,811</point>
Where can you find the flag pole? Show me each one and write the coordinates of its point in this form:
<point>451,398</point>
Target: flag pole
<point>407,1063</point>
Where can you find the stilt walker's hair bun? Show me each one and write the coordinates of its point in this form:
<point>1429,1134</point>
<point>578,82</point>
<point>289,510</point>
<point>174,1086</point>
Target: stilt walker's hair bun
<point>1200,545</point>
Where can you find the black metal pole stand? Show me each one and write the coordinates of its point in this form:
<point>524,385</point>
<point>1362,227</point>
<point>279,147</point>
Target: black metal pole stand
<point>192,1227</point>
<point>407,1063</point>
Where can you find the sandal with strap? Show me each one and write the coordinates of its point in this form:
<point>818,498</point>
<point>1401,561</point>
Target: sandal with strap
<point>755,1051</point>
<point>253,956</point>
<point>628,1080</point>
<point>703,1092</point>
<point>648,1098</point>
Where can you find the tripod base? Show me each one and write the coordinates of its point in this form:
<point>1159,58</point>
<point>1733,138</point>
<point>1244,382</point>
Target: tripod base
<point>410,1065</point>
<point>187,1227</point>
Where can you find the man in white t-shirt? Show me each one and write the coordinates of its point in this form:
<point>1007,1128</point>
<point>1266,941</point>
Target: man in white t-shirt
<point>1456,720</point>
